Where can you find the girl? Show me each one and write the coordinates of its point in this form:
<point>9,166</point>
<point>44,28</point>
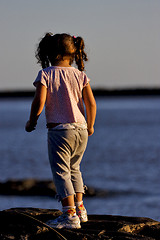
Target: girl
<point>61,88</point>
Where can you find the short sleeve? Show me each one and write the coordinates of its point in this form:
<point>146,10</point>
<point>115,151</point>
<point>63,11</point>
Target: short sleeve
<point>86,80</point>
<point>42,78</point>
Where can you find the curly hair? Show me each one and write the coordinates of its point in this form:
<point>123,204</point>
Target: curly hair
<point>80,55</point>
<point>53,48</point>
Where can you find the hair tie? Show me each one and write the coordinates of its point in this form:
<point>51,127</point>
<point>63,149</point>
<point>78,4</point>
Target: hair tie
<point>74,37</point>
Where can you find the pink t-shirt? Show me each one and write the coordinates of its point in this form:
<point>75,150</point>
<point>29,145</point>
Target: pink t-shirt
<point>64,102</point>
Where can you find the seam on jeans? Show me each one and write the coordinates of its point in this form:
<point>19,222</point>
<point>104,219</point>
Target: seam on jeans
<point>77,140</point>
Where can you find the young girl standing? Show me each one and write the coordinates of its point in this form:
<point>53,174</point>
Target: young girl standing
<point>63,88</point>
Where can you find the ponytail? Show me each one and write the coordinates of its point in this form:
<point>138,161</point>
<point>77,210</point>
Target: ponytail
<point>43,50</point>
<point>80,55</point>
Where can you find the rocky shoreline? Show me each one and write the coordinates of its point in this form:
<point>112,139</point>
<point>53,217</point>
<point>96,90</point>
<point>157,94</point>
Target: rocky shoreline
<point>29,224</point>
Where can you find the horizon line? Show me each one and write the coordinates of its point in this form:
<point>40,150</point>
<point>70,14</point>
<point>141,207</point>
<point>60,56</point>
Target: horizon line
<point>135,91</point>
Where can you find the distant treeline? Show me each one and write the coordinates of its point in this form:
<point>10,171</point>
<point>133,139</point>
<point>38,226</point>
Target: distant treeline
<point>127,92</point>
<point>97,93</point>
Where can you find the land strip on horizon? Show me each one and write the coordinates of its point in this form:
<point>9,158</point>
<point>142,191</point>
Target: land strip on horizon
<point>97,92</point>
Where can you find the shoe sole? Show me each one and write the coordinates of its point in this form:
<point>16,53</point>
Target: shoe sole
<point>76,226</point>
<point>68,227</point>
<point>83,221</point>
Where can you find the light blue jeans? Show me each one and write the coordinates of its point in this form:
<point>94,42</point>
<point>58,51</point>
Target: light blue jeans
<point>65,149</point>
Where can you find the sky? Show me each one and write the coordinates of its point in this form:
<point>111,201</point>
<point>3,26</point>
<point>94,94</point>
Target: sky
<point>122,39</point>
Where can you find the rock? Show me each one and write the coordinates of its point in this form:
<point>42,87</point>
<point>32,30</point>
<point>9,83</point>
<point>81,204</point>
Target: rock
<point>28,187</point>
<point>33,187</point>
<point>29,224</point>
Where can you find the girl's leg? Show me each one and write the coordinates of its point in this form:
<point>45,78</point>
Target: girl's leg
<point>79,197</point>
<point>76,176</point>
<point>68,201</point>
<point>60,145</point>
<point>60,149</point>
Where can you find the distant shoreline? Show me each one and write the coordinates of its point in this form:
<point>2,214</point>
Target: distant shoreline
<point>97,92</point>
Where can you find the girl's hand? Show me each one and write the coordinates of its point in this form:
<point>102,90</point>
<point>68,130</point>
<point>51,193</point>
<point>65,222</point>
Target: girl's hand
<point>30,127</point>
<point>90,131</point>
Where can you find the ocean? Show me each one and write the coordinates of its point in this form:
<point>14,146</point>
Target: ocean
<point>122,156</point>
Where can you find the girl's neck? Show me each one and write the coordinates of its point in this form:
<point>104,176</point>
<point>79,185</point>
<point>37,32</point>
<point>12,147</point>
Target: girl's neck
<point>63,63</point>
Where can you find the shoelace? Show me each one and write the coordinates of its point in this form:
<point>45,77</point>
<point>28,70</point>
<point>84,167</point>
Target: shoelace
<point>65,214</point>
<point>71,211</point>
<point>81,207</point>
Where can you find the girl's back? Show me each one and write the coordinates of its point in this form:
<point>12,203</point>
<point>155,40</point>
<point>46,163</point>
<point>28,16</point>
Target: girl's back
<point>64,93</point>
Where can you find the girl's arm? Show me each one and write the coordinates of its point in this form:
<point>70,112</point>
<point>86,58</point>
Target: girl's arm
<point>36,107</point>
<point>90,105</point>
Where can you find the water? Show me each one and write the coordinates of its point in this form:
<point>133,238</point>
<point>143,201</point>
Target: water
<point>122,156</point>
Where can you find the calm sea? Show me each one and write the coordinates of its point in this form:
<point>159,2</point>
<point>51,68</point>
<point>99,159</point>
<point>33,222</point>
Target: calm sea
<point>123,156</point>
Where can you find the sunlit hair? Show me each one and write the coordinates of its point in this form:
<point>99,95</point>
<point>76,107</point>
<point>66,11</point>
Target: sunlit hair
<point>53,48</point>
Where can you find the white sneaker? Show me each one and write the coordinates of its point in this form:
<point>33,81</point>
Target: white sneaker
<point>82,213</point>
<point>67,220</point>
